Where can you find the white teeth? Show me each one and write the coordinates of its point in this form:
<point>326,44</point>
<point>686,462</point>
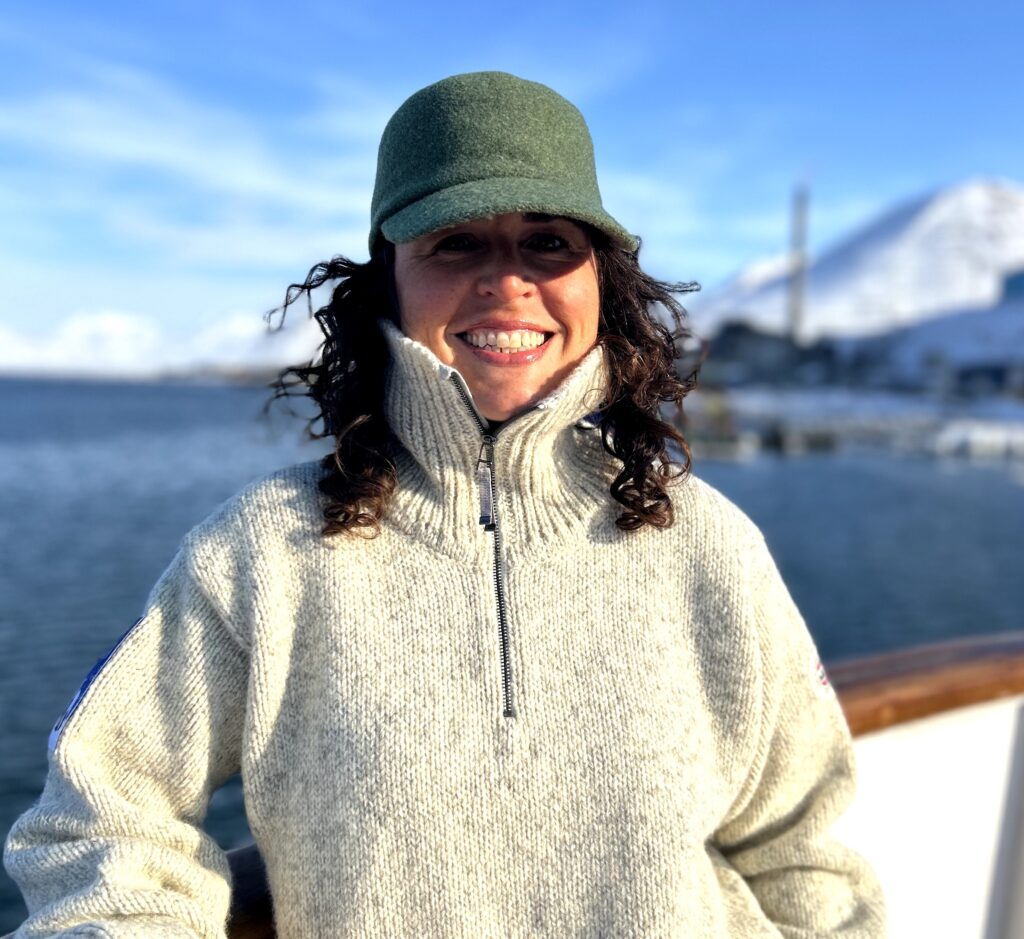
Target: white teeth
<point>506,342</point>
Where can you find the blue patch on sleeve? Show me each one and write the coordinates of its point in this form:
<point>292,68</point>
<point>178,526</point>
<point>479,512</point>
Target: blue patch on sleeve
<point>80,694</point>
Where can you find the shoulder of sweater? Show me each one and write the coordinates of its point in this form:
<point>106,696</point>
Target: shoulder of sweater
<point>743,564</point>
<point>712,542</point>
<point>729,554</point>
<point>268,515</point>
<point>703,513</point>
<point>252,539</point>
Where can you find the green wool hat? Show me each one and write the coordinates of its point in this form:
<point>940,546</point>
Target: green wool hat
<point>480,144</point>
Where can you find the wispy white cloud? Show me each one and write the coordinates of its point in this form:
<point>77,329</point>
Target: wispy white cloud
<point>105,342</point>
<point>116,343</point>
<point>240,341</point>
<point>127,118</point>
<point>238,240</point>
<point>124,180</point>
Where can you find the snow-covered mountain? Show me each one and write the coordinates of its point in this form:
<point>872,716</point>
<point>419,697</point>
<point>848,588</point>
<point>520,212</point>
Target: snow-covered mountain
<point>931,352</point>
<point>947,251</point>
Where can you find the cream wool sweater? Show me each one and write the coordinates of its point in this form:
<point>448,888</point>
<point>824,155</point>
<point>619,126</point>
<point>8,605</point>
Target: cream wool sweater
<point>671,767</point>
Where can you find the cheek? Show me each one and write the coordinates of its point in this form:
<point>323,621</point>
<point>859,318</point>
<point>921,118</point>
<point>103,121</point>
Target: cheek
<point>424,308</point>
<point>585,303</point>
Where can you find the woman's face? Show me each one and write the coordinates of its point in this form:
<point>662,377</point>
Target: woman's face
<point>510,301</point>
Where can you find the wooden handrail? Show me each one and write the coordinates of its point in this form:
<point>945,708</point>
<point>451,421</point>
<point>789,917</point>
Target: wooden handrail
<point>875,692</point>
<point>892,688</point>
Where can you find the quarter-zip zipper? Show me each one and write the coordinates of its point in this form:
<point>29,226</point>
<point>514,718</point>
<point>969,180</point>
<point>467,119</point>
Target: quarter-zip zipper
<point>489,520</point>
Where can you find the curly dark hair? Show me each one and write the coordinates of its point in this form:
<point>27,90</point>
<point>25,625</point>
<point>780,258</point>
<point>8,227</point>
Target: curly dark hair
<point>346,383</point>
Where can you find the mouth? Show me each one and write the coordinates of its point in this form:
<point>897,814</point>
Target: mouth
<point>505,342</point>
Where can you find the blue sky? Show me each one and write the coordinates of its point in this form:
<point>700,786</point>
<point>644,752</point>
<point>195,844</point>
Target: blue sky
<point>166,170</point>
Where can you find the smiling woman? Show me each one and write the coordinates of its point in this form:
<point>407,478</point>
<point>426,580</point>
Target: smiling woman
<point>560,285</point>
<point>510,301</point>
<point>560,688</point>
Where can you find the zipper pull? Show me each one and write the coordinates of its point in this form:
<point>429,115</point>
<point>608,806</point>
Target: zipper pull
<point>485,481</point>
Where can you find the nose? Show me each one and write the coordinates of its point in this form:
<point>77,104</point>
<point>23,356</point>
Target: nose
<point>505,277</point>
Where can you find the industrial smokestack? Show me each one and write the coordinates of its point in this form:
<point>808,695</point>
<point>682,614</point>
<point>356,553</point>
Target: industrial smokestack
<point>798,262</point>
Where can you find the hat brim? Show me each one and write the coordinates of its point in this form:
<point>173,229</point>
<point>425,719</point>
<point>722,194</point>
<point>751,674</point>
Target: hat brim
<point>484,197</point>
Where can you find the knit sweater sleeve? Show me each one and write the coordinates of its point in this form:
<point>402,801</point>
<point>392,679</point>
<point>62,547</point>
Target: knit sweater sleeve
<point>113,848</point>
<point>777,836</point>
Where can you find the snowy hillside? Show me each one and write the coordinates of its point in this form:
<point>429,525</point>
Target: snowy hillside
<point>930,350</point>
<point>949,250</point>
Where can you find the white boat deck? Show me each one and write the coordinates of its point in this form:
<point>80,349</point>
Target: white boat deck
<point>940,814</point>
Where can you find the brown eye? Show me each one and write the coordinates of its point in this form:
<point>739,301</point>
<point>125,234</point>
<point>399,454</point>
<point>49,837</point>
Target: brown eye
<point>457,242</point>
<point>547,241</point>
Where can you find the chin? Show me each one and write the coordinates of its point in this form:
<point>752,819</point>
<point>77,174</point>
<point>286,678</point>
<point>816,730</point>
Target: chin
<point>505,410</point>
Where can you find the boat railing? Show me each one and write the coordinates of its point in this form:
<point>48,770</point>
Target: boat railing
<point>880,691</point>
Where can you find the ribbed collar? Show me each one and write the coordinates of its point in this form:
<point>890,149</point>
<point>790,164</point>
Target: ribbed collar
<point>551,472</point>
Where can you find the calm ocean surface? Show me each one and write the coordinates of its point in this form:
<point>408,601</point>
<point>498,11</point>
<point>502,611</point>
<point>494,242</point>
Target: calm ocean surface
<point>98,483</point>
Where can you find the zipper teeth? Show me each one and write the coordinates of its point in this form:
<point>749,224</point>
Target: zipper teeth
<point>499,596</point>
<point>499,586</point>
<point>469,404</point>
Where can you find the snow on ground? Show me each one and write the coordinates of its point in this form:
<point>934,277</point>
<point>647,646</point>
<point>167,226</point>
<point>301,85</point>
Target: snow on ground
<point>853,404</point>
<point>972,337</point>
<point>982,427</point>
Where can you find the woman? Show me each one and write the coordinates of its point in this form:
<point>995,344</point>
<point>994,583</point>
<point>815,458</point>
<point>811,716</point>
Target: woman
<point>558,690</point>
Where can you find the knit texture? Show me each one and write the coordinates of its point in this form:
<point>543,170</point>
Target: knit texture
<point>672,769</point>
<point>480,144</point>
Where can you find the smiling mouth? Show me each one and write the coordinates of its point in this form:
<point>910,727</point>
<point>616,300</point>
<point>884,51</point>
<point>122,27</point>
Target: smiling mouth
<point>506,342</point>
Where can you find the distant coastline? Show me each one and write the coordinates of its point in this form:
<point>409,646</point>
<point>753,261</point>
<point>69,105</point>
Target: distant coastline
<point>213,377</point>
